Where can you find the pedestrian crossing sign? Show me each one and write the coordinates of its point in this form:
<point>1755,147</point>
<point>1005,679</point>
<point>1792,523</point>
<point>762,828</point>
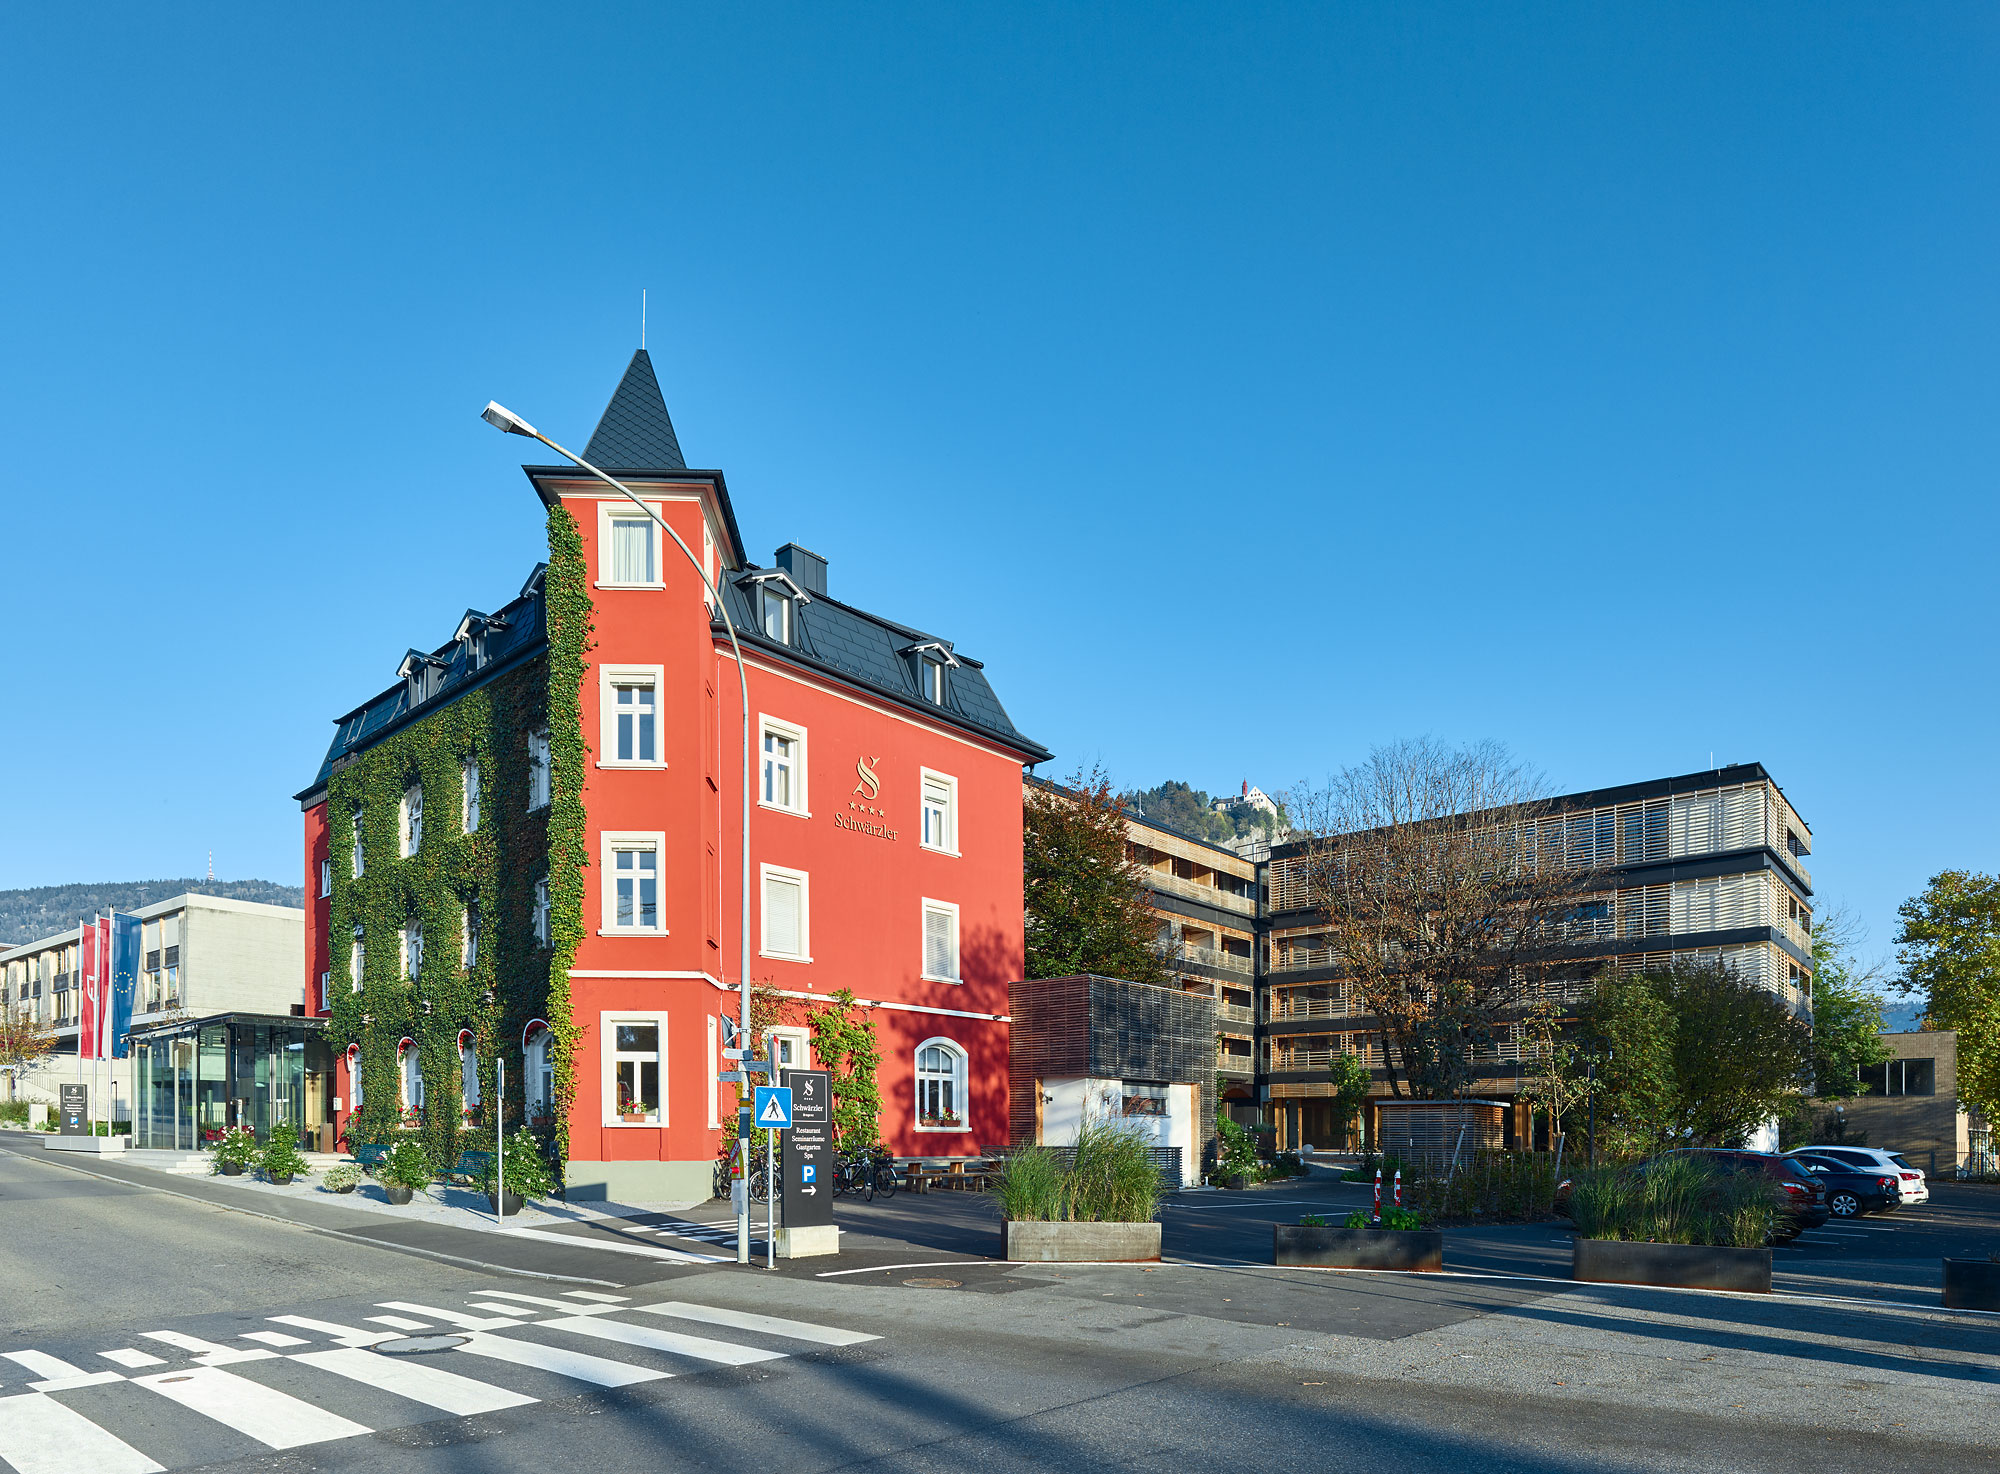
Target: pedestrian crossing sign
<point>774,1107</point>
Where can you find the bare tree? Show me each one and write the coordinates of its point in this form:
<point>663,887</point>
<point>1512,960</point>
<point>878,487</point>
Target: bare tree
<point>1442,875</point>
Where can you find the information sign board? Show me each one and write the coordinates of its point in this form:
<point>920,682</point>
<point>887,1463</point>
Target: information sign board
<point>808,1170</point>
<point>74,1101</point>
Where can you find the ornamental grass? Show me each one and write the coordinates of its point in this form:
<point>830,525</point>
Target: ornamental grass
<point>1676,1200</point>
<point>1108,1177</point>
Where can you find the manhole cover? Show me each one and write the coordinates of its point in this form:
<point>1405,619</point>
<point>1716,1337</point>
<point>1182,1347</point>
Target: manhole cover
<point>417,1345</point>
<point>929,1283</point>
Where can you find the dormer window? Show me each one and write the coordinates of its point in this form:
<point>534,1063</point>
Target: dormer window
<point>933,681</point>
<point>774,603</point>
<point>777,616</point>
<point>928,663</point>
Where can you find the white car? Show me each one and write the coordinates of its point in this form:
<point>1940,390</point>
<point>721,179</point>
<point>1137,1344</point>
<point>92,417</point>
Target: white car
<point>1873,1159</point>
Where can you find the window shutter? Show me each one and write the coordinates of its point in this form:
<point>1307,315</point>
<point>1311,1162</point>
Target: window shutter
<point>937,945</point>
<point>781,916</point>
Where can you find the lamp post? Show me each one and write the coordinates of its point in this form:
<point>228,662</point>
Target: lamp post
<point>505,419</point>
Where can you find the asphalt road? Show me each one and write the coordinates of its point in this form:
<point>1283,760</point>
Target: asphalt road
<point>227,1333</point>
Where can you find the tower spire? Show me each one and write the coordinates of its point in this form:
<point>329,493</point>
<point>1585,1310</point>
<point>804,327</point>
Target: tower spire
<point>635,432</point>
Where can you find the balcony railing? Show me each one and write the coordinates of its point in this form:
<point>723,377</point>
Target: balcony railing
<point>1286,1006</point>
<point>1236,1013</point>
<point>1318,1059</point>
<point>1194,890</point>
<point>1212,957</point>
<point>1298,959</point>
<point>1235,1064</point>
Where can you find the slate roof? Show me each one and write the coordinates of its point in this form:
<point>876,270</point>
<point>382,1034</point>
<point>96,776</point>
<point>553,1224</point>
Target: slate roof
<point>869,651</point>
<point>635,429</point>
<point>525,636</point>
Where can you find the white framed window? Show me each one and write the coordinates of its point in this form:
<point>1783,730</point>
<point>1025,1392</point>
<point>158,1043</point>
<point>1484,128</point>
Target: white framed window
<point>714,1068</point>
<point>540,763</point>
<point>357,960</point>
<point>632,888</point>
<point>468,1071</point>
<point>410,1075</point>
<point>326,877</point>
<point>538,1075</point>
<point>542,933</point>
<point>326,990</point>
<point>938,795</point>
<point>410,819</point>
<point>468,939</point>
<point>787,914</point>
<point>777,614</point>
<point>635,1076</point>
<point>631,547</point>
<point>411,938</point>
<point>940,941</point>
<point>354,1074</point>
<point>931,673</point>
<point>468,802</point>
<point>783,785</point>
<point>359,860</point>
<point>629,721</point>
<point>941,1087</point>
<point>789,1048</point>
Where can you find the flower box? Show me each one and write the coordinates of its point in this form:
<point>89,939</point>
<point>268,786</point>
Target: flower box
<point>1306,1246</point>
<point>1060,1243</point>
<point>1679,1266</point>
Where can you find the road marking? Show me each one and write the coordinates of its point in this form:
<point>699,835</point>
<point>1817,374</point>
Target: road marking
<point>644,1251</point>
<point>460,1396</point>
<point>456,1317</point>
<point>400,1322</point>
<point>207,1353</point>
<point>589,1295</point>
<point>38,1435</point>
<point>531,1299</point>
<point>494,1308</point>
<point>273,1418</point>
<point>58,1375</point>
<point>125,1356</point>
<point>346,1335</point>
<point>564,1363</point>
<point>744,1320</point>
<point>699,1347</point>
<point>273,1338</point>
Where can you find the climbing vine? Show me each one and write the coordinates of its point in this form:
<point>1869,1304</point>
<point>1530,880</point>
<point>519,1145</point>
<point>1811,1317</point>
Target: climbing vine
<point>514,977</point>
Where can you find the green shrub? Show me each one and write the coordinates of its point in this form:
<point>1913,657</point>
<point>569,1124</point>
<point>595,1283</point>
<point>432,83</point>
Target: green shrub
<point>14,1112</point>
<point>281,1156</point>
<point>1236,1151</point>
<point>1676,1200</point>
<point>407,1165</point>
<point>341,1178</point>
<point>526,1168</point>
<point>1311,1220</point>
<point>237,1146</point>
<point>1401,1218</point>
<point>1110,1178</point>
<point>1492,1186</point>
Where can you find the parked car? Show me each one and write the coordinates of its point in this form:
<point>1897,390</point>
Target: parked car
<point>1911,1179</point>
<point>1805,1196</point>
<point>1851,1190</point>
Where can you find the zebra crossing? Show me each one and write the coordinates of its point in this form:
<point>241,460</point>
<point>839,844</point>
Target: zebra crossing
<point>720,1234</point>
<point>171,1399</point>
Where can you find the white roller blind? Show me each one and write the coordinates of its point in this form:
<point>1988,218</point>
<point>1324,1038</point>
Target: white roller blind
<point>940,946</point>
<point>781,916</point>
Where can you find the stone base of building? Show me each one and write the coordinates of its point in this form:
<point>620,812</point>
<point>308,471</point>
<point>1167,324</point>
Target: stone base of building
<point>96,1146</point>
<point>640,1182</point>
<point>816,1238</point>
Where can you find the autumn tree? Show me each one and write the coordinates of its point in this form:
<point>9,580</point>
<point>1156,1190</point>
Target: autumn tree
<point>1442,875</point>
<point>1086,900</point>
<point>24,1042</point>
<point>1949,947</point>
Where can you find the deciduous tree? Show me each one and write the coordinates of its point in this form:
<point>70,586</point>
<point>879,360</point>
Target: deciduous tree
<point>1949,946</point>
<point>1847,1019</point>
<point>1086,901</point>
<point>23,1041</point>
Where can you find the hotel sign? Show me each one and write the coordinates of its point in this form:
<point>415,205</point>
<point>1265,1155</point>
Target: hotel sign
<point>863,803</point>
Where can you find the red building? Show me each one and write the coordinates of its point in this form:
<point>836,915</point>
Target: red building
<point>527,850</point>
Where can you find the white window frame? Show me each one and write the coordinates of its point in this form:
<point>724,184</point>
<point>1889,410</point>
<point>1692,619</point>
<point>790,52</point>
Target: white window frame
<point>961,1083</point>
<point>608,1057</point>
<point>326,877</point>
<point>949,908</point>
<point>609,679</point>
<point>541,770</point>
<point>358,858</point>
<point>354,1078</point>
<point>410,821</point>
<point>950,845</point>
<point>357,961</point>
<point>471,928</point>
<point>802,879</point>
<point>544,914</point>
<point>411,932</point>
<point>783,604</point>
<point>776,727</point>
<point>621,510</point>
<point>800,1041</point>
<point>409,1066</point>
<point>611,842</point>
<point>535,1067</point>
<point>468,1075</point>
<point>468,796</point>
<point>326,990</point>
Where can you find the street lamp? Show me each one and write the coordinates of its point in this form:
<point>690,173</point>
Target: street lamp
<point>502,418</point>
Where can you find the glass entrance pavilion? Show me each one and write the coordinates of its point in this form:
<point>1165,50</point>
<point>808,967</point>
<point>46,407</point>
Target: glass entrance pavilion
<point>195,1078</point>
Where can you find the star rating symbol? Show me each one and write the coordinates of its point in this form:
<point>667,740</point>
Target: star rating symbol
<point>867,809</point>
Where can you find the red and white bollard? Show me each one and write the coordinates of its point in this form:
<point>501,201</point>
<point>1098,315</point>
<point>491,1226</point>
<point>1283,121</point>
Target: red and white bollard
<point>1399,1187</point>
<point>1378,1192</point>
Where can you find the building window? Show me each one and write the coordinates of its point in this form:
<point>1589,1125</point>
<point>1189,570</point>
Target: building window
<point>469,936</point>
<point>542,912</point>
<point>784,766</point>
<point>940,812</point>
<point>354,1076</point>
<point>940,941</point>
<point>539,1076</point>
<point>777,615</point>
<point>411,938</point>
<point>468,806</point>
<point>468,1071</point>
<point>410,1071</point>
<point>633,1068</point>
<point>629,724</point>
<point>357,961</point>
<point>359,862</point>
<point>325,991</point>
<point>632,882</point>
<point>941,1086</point>
<point>932,680</point>
<point>785,914</point>
<point>412,819</point>
<point>326,877</point>
<point>538,768</point>
<point>631,550</point>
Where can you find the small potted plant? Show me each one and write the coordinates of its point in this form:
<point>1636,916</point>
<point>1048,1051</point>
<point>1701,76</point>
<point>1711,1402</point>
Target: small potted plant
<point>342,1179</point>
<point>234,1150</point>
<point>522,1170</point>
<point>405,1170</point>
<point>281,1158</point>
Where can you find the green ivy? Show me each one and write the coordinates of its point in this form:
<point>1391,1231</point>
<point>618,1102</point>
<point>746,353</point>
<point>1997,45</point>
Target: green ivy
<point>515,978</point>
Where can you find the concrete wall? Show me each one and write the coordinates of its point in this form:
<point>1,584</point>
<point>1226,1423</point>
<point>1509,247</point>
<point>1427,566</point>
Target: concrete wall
<point>241,957</point>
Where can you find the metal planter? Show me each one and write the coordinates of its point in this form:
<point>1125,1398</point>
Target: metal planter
<point>1304,1246</point>
<point>1677,1266</point>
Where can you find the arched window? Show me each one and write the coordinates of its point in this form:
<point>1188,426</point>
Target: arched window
<point>354,1076</point>
<point>941,1086</point>
<point>411,1069</point>
<point>468,1071</point>
<point>538,1071</point>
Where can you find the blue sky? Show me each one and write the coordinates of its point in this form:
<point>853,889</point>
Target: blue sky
<point>1245,385</point>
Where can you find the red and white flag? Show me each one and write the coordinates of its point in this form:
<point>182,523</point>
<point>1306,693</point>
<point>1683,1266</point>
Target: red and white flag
<point>94,967</point>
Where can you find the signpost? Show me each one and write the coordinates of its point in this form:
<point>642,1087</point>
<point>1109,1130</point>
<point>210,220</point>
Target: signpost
<point>75,1103</point>
<point>809,1166</point>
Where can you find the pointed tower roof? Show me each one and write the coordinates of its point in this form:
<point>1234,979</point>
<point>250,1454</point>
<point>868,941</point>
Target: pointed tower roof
<point>635,432</point>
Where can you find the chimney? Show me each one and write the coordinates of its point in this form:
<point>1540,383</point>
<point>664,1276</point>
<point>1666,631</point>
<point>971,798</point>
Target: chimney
<point>807,570</point>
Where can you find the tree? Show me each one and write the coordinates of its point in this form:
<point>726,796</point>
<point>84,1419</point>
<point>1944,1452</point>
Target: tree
<point>1352,1081</point>
<point>1443,877</point>
<point>24,1041</point>
<point>1847,1021</point>
<point>1949,946</point>
<point>1626,1031</point>
<point>1560,1081</point>
<point>1086,901</point>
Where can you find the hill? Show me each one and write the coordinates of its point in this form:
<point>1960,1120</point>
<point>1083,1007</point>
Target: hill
<point>26,915</point>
